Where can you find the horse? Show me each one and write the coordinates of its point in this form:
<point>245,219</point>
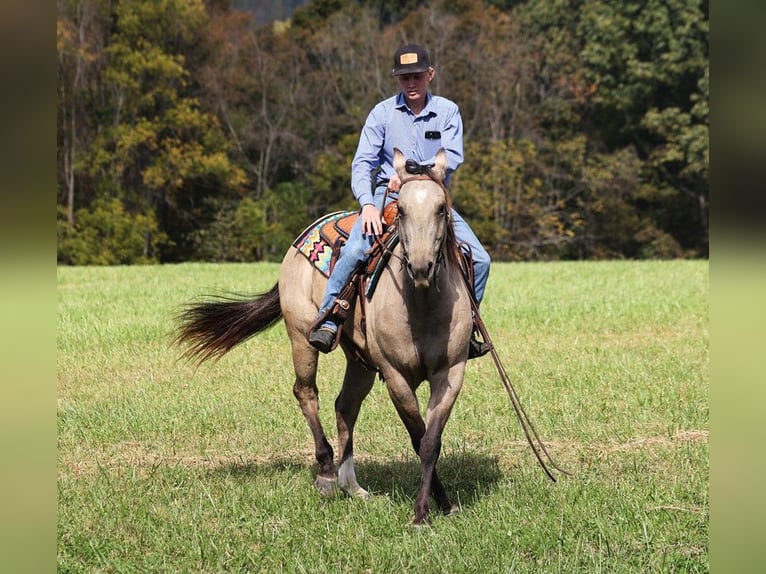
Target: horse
<point>416,327</point>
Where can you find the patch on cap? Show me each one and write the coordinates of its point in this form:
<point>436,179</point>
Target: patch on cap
<point>408,58</point>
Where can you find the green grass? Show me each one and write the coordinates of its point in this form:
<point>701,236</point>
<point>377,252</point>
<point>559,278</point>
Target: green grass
<point>168,468</point>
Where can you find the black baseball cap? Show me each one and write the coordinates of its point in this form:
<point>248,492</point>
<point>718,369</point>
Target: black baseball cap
<point>410,59</point>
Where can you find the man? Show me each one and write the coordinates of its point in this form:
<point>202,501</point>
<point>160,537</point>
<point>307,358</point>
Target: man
<point>419,124</point>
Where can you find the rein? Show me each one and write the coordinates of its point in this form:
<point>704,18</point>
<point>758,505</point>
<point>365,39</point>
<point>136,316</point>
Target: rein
<point>530,432</point>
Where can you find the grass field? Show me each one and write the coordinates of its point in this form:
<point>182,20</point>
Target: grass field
<point>166,468</point>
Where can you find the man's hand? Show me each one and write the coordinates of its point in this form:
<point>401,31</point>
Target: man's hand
<point>372,221</point>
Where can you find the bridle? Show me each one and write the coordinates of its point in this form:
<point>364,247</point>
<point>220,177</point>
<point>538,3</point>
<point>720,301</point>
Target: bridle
<point>424,174</point>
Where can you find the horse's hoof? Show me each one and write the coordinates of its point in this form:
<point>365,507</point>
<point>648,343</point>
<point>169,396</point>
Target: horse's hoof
<point>361,493</point>
<point>453,510</point>
<point>419,526</point>
<point>355,491</point>
<point>326,486</point>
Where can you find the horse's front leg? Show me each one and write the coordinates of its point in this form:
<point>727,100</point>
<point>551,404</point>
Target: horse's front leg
<point>444,392</point>
<point>357,384</point>
<point>430,484</point>
<point>406,403</point>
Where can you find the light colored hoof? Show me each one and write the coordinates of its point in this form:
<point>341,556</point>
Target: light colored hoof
<point>419,526</point>
<point>359,492</point>
<point>326,486</point>
<point>354,490</point>
<point>454,509</point>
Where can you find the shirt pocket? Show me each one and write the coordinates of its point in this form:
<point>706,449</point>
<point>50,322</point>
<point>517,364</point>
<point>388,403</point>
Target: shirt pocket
<point>432,139</point>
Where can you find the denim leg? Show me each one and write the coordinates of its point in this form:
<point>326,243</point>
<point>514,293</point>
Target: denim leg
<point>481,260</point>
<point>353,252</point>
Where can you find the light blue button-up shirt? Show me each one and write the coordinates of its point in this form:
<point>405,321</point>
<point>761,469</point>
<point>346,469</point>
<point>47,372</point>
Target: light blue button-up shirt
<point>392,124</point>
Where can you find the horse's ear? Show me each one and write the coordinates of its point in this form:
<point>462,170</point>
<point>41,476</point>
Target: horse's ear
<point>439,170</point>
<point>399,162</point>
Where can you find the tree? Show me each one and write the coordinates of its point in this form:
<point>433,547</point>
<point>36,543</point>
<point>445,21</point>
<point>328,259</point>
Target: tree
<point>81,33</point>
<point>649,62</point>
<point>252,81</point>
<point>104,233</point>
<point>586,121</point>
<point>156,149</point>
<point>632,78</point>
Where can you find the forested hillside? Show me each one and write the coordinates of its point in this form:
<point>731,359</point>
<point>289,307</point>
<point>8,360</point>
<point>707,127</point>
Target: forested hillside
<point>189,130</point>
<point>269,10</point>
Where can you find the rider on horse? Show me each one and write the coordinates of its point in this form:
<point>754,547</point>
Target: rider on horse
<point>418,123</point>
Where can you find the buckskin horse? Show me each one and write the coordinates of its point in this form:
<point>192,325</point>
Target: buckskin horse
<point>415,328</point>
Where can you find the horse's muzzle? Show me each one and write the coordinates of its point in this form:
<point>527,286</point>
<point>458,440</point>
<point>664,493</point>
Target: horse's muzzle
<point>421,275</point>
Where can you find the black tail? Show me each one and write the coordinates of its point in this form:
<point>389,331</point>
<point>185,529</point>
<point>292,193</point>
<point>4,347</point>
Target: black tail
<point>213,327</point>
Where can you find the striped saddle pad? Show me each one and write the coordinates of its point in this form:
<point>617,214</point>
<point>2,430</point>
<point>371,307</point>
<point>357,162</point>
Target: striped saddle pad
<point>329,233</point>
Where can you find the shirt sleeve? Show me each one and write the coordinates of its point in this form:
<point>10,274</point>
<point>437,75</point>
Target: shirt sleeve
<point>367,157</point>
<point>451,139</point>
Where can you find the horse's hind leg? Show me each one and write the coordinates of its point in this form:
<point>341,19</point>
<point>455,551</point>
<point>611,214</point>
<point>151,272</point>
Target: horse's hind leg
<point>307,394</point>
<point>357,383</point>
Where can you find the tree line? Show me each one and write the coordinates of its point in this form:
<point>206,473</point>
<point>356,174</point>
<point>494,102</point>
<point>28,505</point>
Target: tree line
<point>187,130</point>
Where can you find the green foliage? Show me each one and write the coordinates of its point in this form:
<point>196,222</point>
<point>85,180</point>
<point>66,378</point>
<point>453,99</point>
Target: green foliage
<point>685,135</point>
<point>250,230</point>
<point>180,144</point>
<point>155,141</point>
<point>105,234</point>
<point>612,185</point>
<point>535,210</point>
<point>649,63</point>
<point>287,217</point>
<point>634,50</point>
<point>235,234</point>
<point>314,13</point>
<point>635,77</point>
<point>330,178</point>
<point>390,11</point>
<point>586,121</point>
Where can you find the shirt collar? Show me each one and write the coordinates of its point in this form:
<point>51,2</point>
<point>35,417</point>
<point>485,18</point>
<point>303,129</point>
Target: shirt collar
<point>401,104</point>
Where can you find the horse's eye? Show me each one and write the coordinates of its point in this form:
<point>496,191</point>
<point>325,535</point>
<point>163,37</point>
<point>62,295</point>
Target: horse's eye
<point>441,210</point>
<point>401,212</point>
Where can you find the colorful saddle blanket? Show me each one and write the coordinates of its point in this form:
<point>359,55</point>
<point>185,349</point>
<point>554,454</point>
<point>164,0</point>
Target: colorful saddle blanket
<point>320,238</point>
<point>328,233</point>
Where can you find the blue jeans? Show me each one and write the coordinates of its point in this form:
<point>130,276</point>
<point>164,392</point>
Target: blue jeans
<point>356,247</point>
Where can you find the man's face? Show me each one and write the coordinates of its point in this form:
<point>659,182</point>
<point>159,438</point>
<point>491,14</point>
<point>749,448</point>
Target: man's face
<point>415,86</point>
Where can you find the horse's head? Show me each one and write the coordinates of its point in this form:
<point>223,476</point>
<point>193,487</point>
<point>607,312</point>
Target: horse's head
<point>423,219</point>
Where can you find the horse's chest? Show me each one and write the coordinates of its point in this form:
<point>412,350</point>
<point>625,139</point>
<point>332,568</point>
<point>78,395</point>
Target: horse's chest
<point>421,331</point>
<point>418,347</point>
